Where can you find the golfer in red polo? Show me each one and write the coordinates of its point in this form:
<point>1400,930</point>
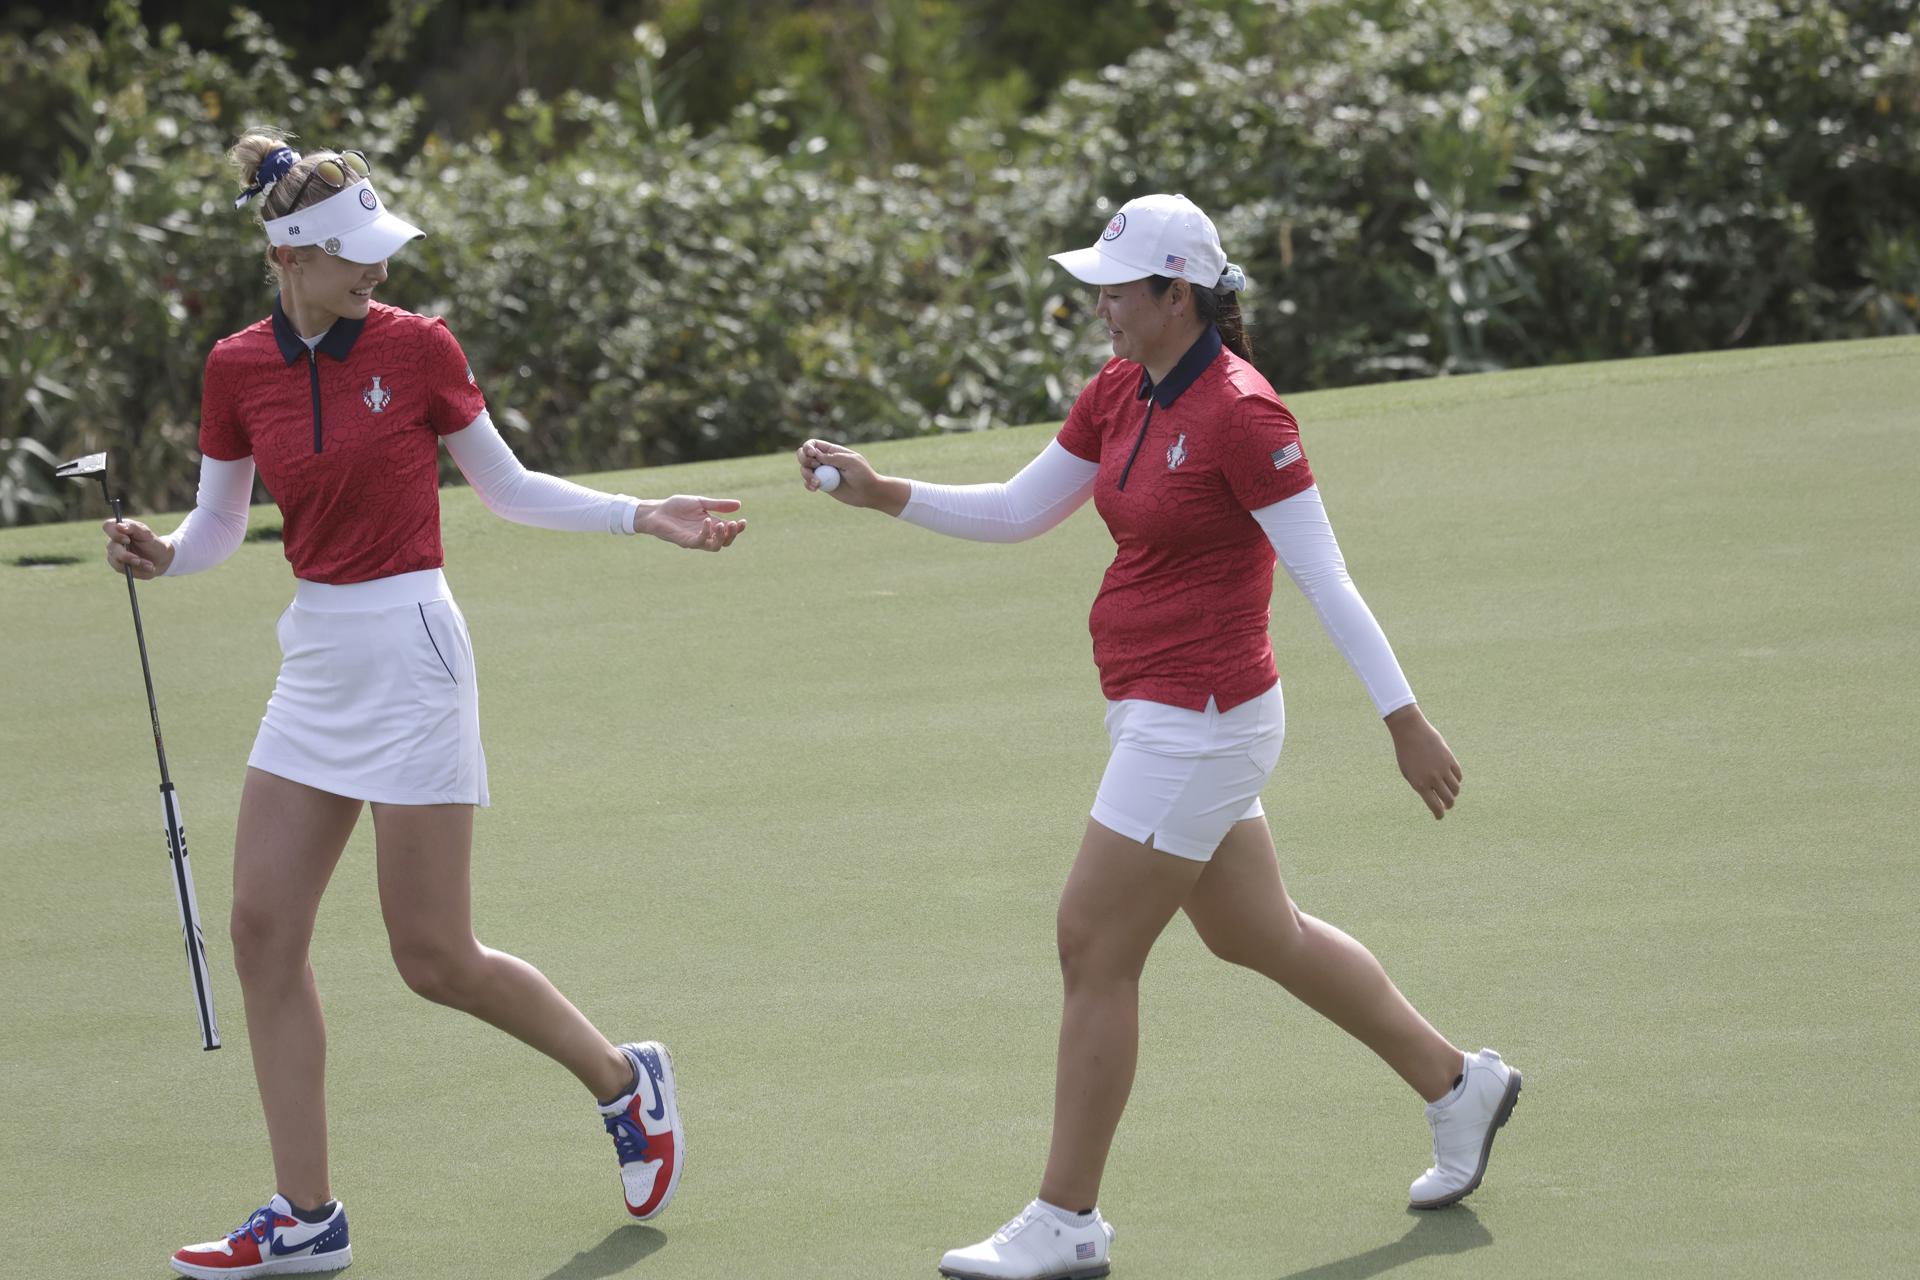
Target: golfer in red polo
<point>340,405</point>
<point>1197,468</point>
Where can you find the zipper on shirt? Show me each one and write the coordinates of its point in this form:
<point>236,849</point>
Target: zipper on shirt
<point>313,378</point>
<point>1124,473</point>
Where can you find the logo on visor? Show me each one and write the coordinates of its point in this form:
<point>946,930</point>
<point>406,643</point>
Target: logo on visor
<point>376,397</point>
<point>1115,227</point>
<point>366,199</point>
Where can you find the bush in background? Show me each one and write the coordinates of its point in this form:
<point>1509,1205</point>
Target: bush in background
<point>1414,189</point>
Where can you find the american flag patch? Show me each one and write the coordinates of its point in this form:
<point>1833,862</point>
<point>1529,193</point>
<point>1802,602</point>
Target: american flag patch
<point>1176,263</point>
<point>1287,456</point>
<point>1083,1251</point>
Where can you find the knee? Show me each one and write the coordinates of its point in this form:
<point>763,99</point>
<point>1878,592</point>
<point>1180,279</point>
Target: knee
<point>445,973</point>
<point>1232,949</point>
<point>1084,960</point>
<point>1263,947</point>
<point>265,945</point>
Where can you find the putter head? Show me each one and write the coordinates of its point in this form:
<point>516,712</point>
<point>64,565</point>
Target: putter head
<point>91,467</point>
<point>94,464</point>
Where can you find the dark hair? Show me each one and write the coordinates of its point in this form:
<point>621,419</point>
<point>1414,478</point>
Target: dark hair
<point>1220,309</point>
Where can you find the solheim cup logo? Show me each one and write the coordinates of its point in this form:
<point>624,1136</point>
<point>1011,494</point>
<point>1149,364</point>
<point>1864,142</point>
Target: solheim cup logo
<point>1115,227</point>
<point>367,200</point>
<point>376,397</point>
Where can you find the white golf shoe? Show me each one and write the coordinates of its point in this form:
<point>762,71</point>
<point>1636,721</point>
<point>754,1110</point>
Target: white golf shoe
<point>1037,1245</point>
<point>1463,1125</point>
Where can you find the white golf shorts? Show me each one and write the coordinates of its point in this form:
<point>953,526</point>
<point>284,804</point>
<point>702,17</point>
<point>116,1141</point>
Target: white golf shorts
<point>376,697</point>
<point>1181,778</point>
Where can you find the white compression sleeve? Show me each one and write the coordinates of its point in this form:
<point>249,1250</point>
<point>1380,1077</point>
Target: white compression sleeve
<point>514,493</point>
<point>218,522</point>
<point>1302,537</point>
<point>1048,490</point>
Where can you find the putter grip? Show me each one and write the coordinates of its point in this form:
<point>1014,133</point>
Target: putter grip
<point>189,903</point>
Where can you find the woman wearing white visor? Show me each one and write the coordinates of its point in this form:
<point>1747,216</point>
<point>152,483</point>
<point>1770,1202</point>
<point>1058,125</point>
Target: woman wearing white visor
<point>1197,468</point>
<point>340,403</point>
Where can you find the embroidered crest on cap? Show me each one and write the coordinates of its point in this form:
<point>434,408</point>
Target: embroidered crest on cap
<point>1176,263</point>
<point>367,200</point>
<point>1114,227</point>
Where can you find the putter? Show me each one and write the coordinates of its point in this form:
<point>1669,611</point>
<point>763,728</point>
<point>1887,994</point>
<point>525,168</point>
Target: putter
<point>94,467</point>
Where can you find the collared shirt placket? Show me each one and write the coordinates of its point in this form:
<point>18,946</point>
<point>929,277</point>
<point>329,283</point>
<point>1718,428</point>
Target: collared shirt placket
<point>1201,354</point>
<point>338,343</point>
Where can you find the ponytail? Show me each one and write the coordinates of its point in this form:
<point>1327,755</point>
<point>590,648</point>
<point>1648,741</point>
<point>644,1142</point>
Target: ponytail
<point>1217,307</point>
<point>1223,309</point>
<point>272,176</point>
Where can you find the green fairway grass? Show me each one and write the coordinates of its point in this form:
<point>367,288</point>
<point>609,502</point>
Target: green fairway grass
<point>803,810</point>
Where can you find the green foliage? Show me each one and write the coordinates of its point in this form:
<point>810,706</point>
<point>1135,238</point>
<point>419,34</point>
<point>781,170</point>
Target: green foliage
<point>117,277</point>
<point>1413,189</point>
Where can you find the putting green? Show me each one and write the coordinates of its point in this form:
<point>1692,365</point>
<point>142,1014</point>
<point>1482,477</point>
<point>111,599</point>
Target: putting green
<point>803,810</point>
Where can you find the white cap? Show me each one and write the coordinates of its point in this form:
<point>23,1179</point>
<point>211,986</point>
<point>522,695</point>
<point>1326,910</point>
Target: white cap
<point>351,223</point>
<point>1158,235</point>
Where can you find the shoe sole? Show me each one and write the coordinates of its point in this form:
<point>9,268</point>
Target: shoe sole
<point>1090,1273</point>
<point>672,1095</point>
<point>1500,1118</point>
<point>281,1267</point>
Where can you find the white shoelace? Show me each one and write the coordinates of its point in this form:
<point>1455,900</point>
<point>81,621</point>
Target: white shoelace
<point>1013,1228</point>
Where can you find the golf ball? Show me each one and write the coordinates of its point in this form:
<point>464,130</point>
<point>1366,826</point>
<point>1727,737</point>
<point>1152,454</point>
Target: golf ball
<point>828,475</point>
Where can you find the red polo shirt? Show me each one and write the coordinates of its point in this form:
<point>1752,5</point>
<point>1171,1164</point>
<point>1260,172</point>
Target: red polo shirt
<point>346,436</point>
<point>1182,613</point>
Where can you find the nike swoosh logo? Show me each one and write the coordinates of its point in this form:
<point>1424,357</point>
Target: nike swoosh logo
<point>278,1249</point>
<point>658,1110</point>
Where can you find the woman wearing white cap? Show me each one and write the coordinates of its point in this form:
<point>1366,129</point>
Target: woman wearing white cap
<point>340,403</point>
<point>1197,468</point>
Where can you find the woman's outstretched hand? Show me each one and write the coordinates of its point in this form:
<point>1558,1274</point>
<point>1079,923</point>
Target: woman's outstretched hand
<point>860,485</point>
<point>689,522</point>
<point>1426,761</point>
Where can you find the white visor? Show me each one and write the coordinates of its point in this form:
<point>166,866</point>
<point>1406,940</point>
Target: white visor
<point>353,224</point>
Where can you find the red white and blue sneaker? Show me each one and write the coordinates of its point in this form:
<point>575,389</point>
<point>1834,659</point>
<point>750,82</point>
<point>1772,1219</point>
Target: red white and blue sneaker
<point>645,1125</point>
<point>271,1243</point>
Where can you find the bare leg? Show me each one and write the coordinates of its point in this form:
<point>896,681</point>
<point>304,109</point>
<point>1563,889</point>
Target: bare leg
<point>289,840</point>
<point>425,853</point>
<point>1119,896</point>
<point>1242,912</point>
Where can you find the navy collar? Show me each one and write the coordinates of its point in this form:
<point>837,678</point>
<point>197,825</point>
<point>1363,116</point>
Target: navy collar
<point>337,343</point>
<point>1202,353</point>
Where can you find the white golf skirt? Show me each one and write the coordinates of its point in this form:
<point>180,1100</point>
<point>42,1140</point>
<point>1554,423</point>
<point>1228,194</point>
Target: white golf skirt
<point>1181,778</point>
<point>376,698</point>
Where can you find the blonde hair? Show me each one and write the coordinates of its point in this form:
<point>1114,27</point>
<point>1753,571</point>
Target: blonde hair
<point>276,201</point>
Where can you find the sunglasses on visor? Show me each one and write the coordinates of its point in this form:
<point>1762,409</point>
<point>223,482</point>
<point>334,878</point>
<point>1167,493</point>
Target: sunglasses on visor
<point>339,171</point>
